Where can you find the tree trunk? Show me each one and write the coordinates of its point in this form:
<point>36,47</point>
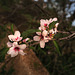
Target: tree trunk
<point>29,65</point>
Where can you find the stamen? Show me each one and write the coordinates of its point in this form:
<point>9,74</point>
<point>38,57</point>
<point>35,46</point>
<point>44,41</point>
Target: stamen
<point>16,48</point>
<point>50,34</point>
<point>45,25</point>
<point>41,36</point>
<point>16,38</point>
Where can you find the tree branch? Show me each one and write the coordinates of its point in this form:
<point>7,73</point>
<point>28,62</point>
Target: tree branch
<point>68,37</point>
<point>66,32</point>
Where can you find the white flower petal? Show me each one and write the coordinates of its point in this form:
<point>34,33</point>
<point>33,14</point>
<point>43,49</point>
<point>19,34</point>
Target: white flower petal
<point>21,52</point>
<point>56,25</point>
<point>38,33</point>
<point>11,37</point>
<point>9,44</point>
<point>50,20</point>
<point>47,21</point>
<point>15,37</point>
<point>26,39</point>
<point>15,44</point>
<point>55,30</point>
<point>51,31</point>
<point>39,28</point>
<point>23,46</point>
<point>36,38</point>
<point>44,33</point>
<point>17,33</point>
<point>42,43</point>
<point>42,22</point>
<point>12,52</point>
<point>46,40</point>
<point>54,19</point>
<point>43,28</point>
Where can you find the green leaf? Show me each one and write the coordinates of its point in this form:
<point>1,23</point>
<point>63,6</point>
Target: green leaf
<point>3,52</point>
<point>57,47</point>
<point>52,24</point>
<point>12,29</point>
<point>29,32</point>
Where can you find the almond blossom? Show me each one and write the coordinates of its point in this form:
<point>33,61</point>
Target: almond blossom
<point>12,38</point>
<point>44,24</point>
<point>15,37</point>
<point>16,49</point>
<point>41,38</point>
<point>17,43</point>
<point>46,34</point>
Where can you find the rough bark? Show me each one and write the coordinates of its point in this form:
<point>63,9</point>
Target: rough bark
<point>29,65</point>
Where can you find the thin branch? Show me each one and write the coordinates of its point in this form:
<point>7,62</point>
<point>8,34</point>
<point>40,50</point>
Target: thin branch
<point>33,44</point>
<point>66,32</point>
<point>44,11</point>
<point>65,38</point>
<point>68,37</point>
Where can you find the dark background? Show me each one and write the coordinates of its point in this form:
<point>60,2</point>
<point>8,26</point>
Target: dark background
<point>26,14</point>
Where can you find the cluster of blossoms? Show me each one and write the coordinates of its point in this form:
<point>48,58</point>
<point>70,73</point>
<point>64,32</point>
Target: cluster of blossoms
<point>46,33</point>
<point>16,44</point>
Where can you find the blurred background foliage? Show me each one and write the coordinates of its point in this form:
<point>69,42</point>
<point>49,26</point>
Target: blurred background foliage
<point>26,14</point>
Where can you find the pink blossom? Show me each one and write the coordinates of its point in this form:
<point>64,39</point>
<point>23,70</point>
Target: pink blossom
<point>15,37</point>
<point>41,39</point>
<point>9,44</point>
<point>16,49</point>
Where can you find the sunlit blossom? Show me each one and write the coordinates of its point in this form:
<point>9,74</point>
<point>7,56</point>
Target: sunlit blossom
<point>46,34</point>
<point>16,49</point>
<point>41,39</point>
<point>15,37</point>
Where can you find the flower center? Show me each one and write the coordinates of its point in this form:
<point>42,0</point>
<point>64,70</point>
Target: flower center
<point>50,34</point>
<point>17,38</point>
<point>16,48</point>
<point>45,25</point>
<point>41,36</point>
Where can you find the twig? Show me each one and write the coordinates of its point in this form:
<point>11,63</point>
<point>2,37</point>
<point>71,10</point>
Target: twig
<point>33,44</point>
<point>68,37</point>
<point>45,12</point>
<point>65,32</point>
<point>30,41</point>
<point>65,38</point>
